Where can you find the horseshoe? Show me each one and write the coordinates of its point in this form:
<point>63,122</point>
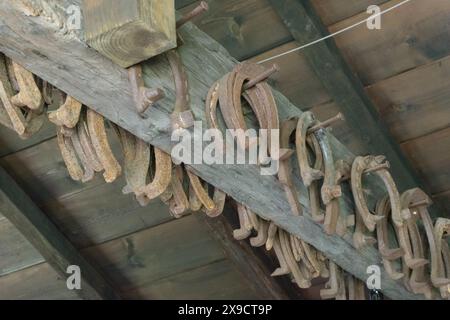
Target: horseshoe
<point>342,292</point>
<point>307,255</point>
<point>162,178</point>
<point>356,289</point>
<point>360,165</point>
<point>332,286</point>
<point>24,122</point>
<point>441,269</point>
<point>97,132</point>
<point>179,204</point>
<point>182,116</point>
<point>283,269</point>
<point>194,202</point>
<point>88,170</point>
<point>69,156</point>
<point>261,238</point>
<point>297,250</point>
<point>219,198</point>
<point>143,97</point>
<point>343,170</point>
<point>324,272</point>
<point>259,97</point>
<point>254,220</point>
<point>418,281</point>
<point>285,170</point>
<point>360,238</point>
<point>245,227</point>
<point>313,189</point>
<point>271,235</point>
<point>29,94</point>
<point>297,274</point>
<point>388,254</point>
<point>445,292</point>
<point>136,160</point>
<point>331,190</point>
<point>308,174</point>
<point>86,144</point>
<point>68,114</point>
<point>200,192</point>
<point>438,277</point>
<point>311,257</point>
<point>47,92</point>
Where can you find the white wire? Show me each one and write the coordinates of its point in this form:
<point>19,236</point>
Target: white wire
<point>335,33</point>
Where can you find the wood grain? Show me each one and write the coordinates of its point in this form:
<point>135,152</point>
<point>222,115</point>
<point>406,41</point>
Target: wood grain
<point>412,35</point>
<point>39,282</point>
<point>96,82</point>
<point>19,209</point>
<point>415,103</point>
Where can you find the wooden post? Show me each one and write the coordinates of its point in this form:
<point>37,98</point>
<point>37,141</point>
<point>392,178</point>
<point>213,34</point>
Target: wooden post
<point>130,31</point>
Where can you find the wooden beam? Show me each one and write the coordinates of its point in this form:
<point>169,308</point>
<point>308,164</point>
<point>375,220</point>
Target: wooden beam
<point>344,87</point>
<point>89,77</point>
<point>18,208</point>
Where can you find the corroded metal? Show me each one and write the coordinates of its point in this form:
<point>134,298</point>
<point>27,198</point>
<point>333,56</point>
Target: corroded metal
<point>24,120</point>
<point>245,227</point>
<point>389,255</point>
<point>182,116</point>
<point>331,189</point>
<point>97,132</point>
<point>360,164</point>
<point>68,114</point>
<point>136,161</point>
<point>162,178</point>
<point>143,97</point>
<point>332,286</point>
<point>69,156</point>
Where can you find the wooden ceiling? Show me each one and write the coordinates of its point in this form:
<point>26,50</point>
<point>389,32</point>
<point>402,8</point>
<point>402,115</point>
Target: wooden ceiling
<point>405,68</point>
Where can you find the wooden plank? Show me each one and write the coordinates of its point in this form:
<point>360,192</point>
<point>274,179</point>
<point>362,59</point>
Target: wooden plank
<point>141,258</point>
<point>413,35</point>
<point>98,83</point>
<point>18,208</point>
<point>251,268</point>
<point>215,281</point>
<point>41,171</point>
<point>10,141</point>
<point>345,88</point>
<point>85,224</point>
<point>39,282</point>
<point>152,254</point>
<point>444,199</point>
<point>239,26</point>
<point>422,93</point>
<point>332,11</point>
<point>430,154</point>
<point>101,214</point>
<point>16,252</point>
<point>295,79</point>
<point>179,4</point>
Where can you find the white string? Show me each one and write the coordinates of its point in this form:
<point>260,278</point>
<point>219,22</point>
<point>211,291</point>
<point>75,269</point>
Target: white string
<point>335,33</point>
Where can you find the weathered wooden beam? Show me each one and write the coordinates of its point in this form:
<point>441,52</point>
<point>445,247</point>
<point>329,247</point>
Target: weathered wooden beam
<point>130,31</point>
<point>97,82</point>
<point>37,228</point>
<point>344,87</point>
